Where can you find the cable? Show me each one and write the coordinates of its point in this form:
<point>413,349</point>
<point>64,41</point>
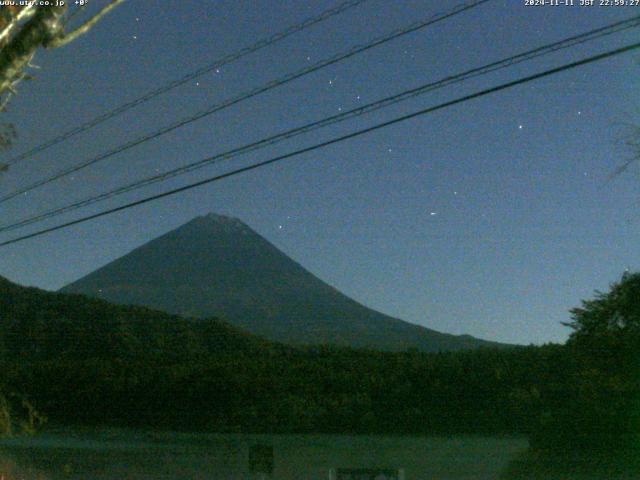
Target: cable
<point>335,140</point>
<point>379,104</point>
<point>230,58</point>
<point>244,96</point>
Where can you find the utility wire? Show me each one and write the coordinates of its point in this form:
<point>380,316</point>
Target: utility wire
<point>335,140</point>
<point>252,93</point>
<point>591,35</point>
<point>230,58</point>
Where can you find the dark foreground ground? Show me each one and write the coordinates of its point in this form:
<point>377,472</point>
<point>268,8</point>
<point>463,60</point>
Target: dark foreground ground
<point>600,465</point>
<point>137,455</point>
<point>110,454</point>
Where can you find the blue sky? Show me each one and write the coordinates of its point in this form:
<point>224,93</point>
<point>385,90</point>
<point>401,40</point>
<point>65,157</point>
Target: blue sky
<point>493,217</point>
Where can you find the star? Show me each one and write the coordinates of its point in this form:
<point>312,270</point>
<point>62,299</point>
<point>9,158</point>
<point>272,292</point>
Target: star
<point>520,127</point>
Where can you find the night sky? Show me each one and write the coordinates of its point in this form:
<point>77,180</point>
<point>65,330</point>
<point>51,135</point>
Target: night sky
<point>493,217</point>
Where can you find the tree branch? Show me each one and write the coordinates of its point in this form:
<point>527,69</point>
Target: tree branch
<point>45,29</point>
<point>39,30</point>
<point>23,14</point>
<point>62,40</point>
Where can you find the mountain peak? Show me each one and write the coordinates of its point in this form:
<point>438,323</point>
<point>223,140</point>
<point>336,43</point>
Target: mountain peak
<point>217,266</point>
<point>219,222</point>
<point>217,218</point>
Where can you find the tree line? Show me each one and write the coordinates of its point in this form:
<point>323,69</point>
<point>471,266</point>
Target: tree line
<point>82,361</point>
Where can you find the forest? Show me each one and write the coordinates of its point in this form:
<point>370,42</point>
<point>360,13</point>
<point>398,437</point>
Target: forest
<point>82,361</point>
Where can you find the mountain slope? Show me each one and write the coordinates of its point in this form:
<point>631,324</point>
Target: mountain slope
<point>217,266</point>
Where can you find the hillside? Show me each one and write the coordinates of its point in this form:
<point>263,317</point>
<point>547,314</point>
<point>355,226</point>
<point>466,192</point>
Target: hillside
<point>218,266</point>
<point>45,326</point>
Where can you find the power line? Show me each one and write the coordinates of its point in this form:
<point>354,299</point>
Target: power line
<point>373,106</point>
<point>335,140</point>
<point>230,58</point>
<point>247,95</point>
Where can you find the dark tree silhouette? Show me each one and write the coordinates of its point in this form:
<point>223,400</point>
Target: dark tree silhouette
<point>598,406</point>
